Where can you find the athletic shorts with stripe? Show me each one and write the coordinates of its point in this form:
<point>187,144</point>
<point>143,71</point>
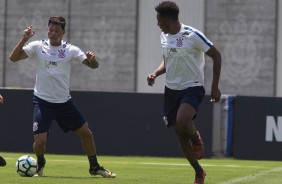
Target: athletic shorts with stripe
<point>174,98</point>
<point>66,114</point>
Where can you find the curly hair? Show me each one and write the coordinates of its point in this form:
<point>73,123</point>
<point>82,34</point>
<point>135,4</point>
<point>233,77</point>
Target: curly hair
<point>168,9</point>
<point>58,20</point>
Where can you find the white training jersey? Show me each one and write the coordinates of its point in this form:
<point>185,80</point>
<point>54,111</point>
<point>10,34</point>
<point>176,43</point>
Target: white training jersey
<point>53,65</point>
<point>184,57</point>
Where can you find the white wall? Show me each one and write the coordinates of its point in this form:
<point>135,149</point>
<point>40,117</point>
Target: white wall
<point>279,53</point>
<point>149,49</point>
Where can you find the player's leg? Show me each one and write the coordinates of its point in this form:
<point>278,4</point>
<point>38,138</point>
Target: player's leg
<point>2,161</point>
<point>39,147</point>
<point>179,115</point>
<point>87,141</point>
<point>190,103</point>
<point>88,144</point>
<point>43,116</point>
<point>184,119</point>
<point>187,150</point>
<point>185,129</point>
<point>69,118</point>
<point>185,122</point>
<point>185,115</point>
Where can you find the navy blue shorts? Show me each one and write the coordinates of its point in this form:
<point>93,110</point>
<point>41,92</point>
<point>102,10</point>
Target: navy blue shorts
<point>66,114</point>
<point>174,98</point>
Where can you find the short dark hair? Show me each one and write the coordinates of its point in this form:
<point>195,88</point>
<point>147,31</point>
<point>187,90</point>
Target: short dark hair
<point>168,9</point>
<point>59,20</point>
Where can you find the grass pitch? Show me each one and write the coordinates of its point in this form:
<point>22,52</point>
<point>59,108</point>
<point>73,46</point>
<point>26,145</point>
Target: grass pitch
<point>73,169</point>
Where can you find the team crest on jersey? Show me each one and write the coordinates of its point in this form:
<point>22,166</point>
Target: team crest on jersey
<point>62,53</point>
<point>179,42</point>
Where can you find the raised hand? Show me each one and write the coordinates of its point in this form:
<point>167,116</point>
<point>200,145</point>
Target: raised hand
<point>90,55</point>
<point>91,60</point>
<point>28,33</point>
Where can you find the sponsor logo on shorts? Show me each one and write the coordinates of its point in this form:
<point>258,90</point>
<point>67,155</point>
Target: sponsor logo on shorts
<point>35,126</point>
<point>165,120</point>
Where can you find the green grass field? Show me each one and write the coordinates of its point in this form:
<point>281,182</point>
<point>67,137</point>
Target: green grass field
<point>73,169</point>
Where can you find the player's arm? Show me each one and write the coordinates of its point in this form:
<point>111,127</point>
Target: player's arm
<point>18,53</point>
<point>1,100</point>
<point>159,71</point>
<point>91,61</point>
<point>216,58</point>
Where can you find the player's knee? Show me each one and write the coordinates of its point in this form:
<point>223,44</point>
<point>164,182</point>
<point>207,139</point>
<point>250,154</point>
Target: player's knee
<point>89,134</point>
<point>85,134</point>
<point>39,142</point>
<point>184,122</point>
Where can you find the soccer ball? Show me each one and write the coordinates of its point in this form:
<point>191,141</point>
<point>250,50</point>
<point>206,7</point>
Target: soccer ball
<point>26,166</point>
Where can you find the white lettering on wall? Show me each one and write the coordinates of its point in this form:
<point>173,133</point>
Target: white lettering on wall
<point>273,129</point>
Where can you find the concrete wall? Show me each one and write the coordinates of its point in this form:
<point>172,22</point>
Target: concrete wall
<point>125,36</point>
<point>2,56</point>
<point>105,26</point>
<point>245,33</point>
<point>279,53</point>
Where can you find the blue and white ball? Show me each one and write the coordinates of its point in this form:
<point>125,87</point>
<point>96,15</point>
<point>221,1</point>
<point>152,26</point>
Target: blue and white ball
<point>26,166</point>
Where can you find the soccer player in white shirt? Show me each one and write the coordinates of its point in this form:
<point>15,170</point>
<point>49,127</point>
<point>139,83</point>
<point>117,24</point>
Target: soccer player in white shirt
<point>52,100</point>
<point>183,49</point>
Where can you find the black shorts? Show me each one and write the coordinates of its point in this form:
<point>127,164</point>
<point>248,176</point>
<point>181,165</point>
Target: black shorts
<point>174,98</point>
<point>66,114</point>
